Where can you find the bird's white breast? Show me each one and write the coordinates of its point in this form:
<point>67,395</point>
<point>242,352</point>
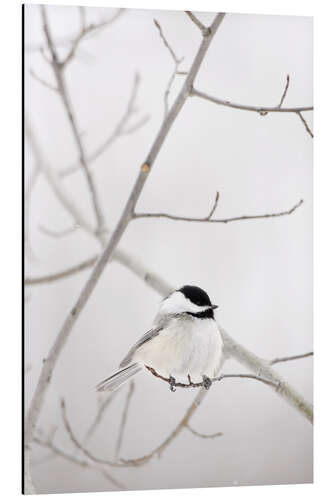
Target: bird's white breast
<point>184,347</point>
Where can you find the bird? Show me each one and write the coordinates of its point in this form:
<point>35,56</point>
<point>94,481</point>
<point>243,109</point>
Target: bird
<point>184,343</point>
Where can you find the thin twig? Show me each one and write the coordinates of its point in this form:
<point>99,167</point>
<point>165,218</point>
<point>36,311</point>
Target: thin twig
<point>223,221</point>
<point>194,385</point>
<point>214,207</point>
<point>284,92</point>
<point>204,30</point>
<point>290,358</point>
<point>124,418</point>
<point>203,436</point>
<point>177,61</point>
<point>245,107</point>
<point>305,123</point>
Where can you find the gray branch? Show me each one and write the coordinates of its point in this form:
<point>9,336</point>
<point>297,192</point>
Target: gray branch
<point>290,358</point>
<point>245,107</point>
<point>204,30</point>
<point>223,221</point>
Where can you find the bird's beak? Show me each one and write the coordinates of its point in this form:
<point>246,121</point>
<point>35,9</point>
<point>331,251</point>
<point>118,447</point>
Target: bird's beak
<point>214,307</point>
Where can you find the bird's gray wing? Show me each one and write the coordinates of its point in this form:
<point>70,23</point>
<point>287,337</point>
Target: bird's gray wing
<point>145,338</point>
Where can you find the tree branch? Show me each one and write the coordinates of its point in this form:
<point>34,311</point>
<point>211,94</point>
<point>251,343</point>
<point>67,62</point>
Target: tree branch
<point>223,221</point>
<point>194,385</point>
<point>262,110</point>
<point>204,30</point>
<point>203,436</point>
<point>290,358</point>
<point>177,63</point>
<point>284,92</point>
<point>307,128</point>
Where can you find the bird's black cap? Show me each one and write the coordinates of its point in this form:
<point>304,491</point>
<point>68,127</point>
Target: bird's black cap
<point>196,295</point>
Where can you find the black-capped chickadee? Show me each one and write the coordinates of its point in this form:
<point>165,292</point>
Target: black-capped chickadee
<point>184,342</point>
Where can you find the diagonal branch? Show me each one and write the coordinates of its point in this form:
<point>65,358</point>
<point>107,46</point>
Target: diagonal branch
<point>223,221</point>
<point>305,123</point>
<point>204,30</point>
<point>284,92</point>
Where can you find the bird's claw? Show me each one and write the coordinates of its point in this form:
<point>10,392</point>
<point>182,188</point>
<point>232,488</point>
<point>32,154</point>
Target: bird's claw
<point>206,382</point>
<point>172,382</point>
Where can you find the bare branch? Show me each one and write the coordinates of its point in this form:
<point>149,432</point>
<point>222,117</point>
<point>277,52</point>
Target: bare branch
<point>175,72</point>
<point>124,418</point>
<point>214,207</point>
<point>223,221</point>
<point>262,110</point>
<point>204,30</point>
<point>194,385</point>
<point>307,128</point>
<point>284,92</point>
<point>168,46</point>
<point>58,68</point>
<point>290,358</point>
<point>203,436</point>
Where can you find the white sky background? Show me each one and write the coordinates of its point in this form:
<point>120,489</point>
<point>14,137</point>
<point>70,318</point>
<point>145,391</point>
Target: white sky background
<point>260,272</point>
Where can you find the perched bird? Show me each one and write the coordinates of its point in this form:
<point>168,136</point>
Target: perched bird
<point>183,344</point>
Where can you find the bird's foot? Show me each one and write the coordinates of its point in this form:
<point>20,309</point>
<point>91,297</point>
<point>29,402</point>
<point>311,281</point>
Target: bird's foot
<point>206,381</point>
<point>172,382</point>
<point>189,379</point>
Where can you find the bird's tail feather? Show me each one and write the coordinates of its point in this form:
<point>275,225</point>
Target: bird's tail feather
<point>119,378</point>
